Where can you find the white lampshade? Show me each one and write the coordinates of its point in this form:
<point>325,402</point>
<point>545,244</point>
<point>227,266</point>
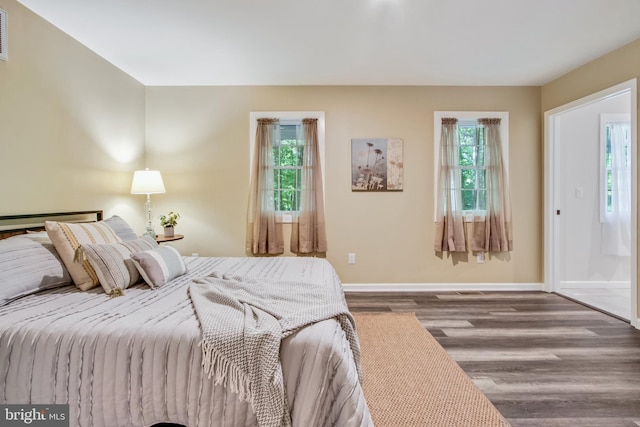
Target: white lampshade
<point>147,182</point>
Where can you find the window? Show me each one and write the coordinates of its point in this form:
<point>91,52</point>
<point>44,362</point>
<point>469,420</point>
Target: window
<point>615,161</point>
<point>472,168</point>
<point>471,156</point>
<point>287,166</point>
<point>287,156</point>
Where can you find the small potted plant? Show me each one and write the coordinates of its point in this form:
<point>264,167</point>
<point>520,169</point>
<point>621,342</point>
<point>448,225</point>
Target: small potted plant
<point>169,221</point>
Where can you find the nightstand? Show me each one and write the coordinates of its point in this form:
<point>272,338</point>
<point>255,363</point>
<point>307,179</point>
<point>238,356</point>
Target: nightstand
<point>161,238</point>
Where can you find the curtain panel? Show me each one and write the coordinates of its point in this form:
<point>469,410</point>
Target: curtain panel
<point>264,232</point>
<point>450,233</point>
<point>493,231</point>
<point>308,235</point>
<point>616,227</point>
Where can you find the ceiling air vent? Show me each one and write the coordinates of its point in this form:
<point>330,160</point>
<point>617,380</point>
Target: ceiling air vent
<point>3,35</point>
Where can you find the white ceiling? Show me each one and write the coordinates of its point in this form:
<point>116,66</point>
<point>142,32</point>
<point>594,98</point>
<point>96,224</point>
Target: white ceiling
<point>345,42</point>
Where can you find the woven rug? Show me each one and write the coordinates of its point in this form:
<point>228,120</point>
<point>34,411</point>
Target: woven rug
<point>410,380</point>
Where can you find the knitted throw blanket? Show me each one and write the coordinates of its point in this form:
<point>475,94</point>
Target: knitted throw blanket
<point>243,320</point>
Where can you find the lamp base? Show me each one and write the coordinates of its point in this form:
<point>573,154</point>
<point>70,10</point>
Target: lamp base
<point>149,232</point>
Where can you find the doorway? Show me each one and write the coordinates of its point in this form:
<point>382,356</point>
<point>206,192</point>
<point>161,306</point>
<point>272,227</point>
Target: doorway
<point>590,201</point>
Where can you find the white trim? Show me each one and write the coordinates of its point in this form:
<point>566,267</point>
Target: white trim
<point>440,287</point>
<point>583,284</point>
<point>4,46</point>
<point>551,204</point>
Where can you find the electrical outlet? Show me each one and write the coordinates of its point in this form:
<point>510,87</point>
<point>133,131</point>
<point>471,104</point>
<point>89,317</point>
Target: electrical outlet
<point>351,258</point>
<point>480,258</point>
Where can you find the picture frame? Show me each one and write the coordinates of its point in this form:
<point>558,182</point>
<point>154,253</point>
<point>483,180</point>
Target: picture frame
<point>377,164</point>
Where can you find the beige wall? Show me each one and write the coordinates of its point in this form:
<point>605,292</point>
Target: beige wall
<point>71,124</point>
<point>615,67</point>
<point>199,138</point>
<point>76,126</point>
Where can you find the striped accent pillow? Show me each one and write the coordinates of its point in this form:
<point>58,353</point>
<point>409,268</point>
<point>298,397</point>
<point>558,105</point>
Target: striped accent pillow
<point>113,265</point>
<point>67,239</point>
<point>158,266</point>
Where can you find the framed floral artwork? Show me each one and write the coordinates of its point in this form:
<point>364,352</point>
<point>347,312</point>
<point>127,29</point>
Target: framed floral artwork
<point>376,164</point>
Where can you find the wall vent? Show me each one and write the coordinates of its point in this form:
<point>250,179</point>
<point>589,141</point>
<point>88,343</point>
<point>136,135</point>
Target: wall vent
<point>4,45</point>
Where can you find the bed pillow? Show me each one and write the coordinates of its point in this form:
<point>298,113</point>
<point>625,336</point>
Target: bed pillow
<point>27,267</point>
<point>158,266</point>
<point>112,263</point>
<point>68,238</point>
<point>38,236</point>
<point>121,228</point>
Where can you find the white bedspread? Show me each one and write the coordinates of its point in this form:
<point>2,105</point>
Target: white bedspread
<point>134,360</point>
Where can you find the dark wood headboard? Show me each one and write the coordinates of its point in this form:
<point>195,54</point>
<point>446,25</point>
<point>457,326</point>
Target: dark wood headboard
<point>11,225</point>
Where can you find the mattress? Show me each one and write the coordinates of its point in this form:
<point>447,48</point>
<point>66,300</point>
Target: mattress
<point>134,360</point>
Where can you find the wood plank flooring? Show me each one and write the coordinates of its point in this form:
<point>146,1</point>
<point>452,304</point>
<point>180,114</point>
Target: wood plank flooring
<point>542,359</point>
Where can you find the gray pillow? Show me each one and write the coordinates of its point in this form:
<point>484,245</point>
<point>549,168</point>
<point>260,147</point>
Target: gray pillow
<point>113,264</point>
<point>121,228</point>
<point>160,265</point>
<point>27,267</point>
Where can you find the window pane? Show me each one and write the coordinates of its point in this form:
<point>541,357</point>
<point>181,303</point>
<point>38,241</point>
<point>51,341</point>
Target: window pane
<point>288,179</point>
<point>482,200</point>
<point>468,200</point>
<point>482,179</point>
<point>466,135</point>
<point>276,156</point>
<point>468,179</point>
<point>288,154</point>
<point>276,200</point>
<point>287,200</point>
<point>467,155</point>
<point>480,135</point>
<point>480,158</point>
<point>300,151</point>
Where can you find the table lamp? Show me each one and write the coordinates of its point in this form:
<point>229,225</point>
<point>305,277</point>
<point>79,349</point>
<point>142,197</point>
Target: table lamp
<point>147,182</point>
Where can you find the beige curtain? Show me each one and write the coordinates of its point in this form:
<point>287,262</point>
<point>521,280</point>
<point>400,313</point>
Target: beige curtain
<point>493,233</point>
<point>264,232</point>
<point>450,230</point>
<point>308,228</point>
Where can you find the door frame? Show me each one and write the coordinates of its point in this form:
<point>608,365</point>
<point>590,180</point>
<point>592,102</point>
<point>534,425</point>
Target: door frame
<point>551,166</point>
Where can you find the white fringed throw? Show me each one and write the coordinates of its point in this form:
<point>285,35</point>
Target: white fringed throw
<point>243,320</point>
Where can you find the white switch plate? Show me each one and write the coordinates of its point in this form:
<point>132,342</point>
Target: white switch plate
<point>351,258</point>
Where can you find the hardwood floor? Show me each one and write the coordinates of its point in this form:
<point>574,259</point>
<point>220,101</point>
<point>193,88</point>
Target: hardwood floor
<point>542,359</point>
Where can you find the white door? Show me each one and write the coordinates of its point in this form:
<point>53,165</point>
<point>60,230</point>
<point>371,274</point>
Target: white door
<point>580,262</point>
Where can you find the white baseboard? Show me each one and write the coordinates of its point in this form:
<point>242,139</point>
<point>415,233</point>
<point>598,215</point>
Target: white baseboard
<point>440,287</point>
<point>577,284</point>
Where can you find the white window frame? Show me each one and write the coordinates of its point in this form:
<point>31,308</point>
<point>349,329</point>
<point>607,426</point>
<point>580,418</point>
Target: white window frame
<point>465,116</point>
<point>4,34</point>
<point>285,116</point>
<point>605,119</point>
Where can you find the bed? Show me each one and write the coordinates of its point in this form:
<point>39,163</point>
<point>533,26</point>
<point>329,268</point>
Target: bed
<point>137,359</point>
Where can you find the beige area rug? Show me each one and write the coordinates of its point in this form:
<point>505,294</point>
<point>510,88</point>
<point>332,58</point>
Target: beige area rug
<point>410,380</point>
